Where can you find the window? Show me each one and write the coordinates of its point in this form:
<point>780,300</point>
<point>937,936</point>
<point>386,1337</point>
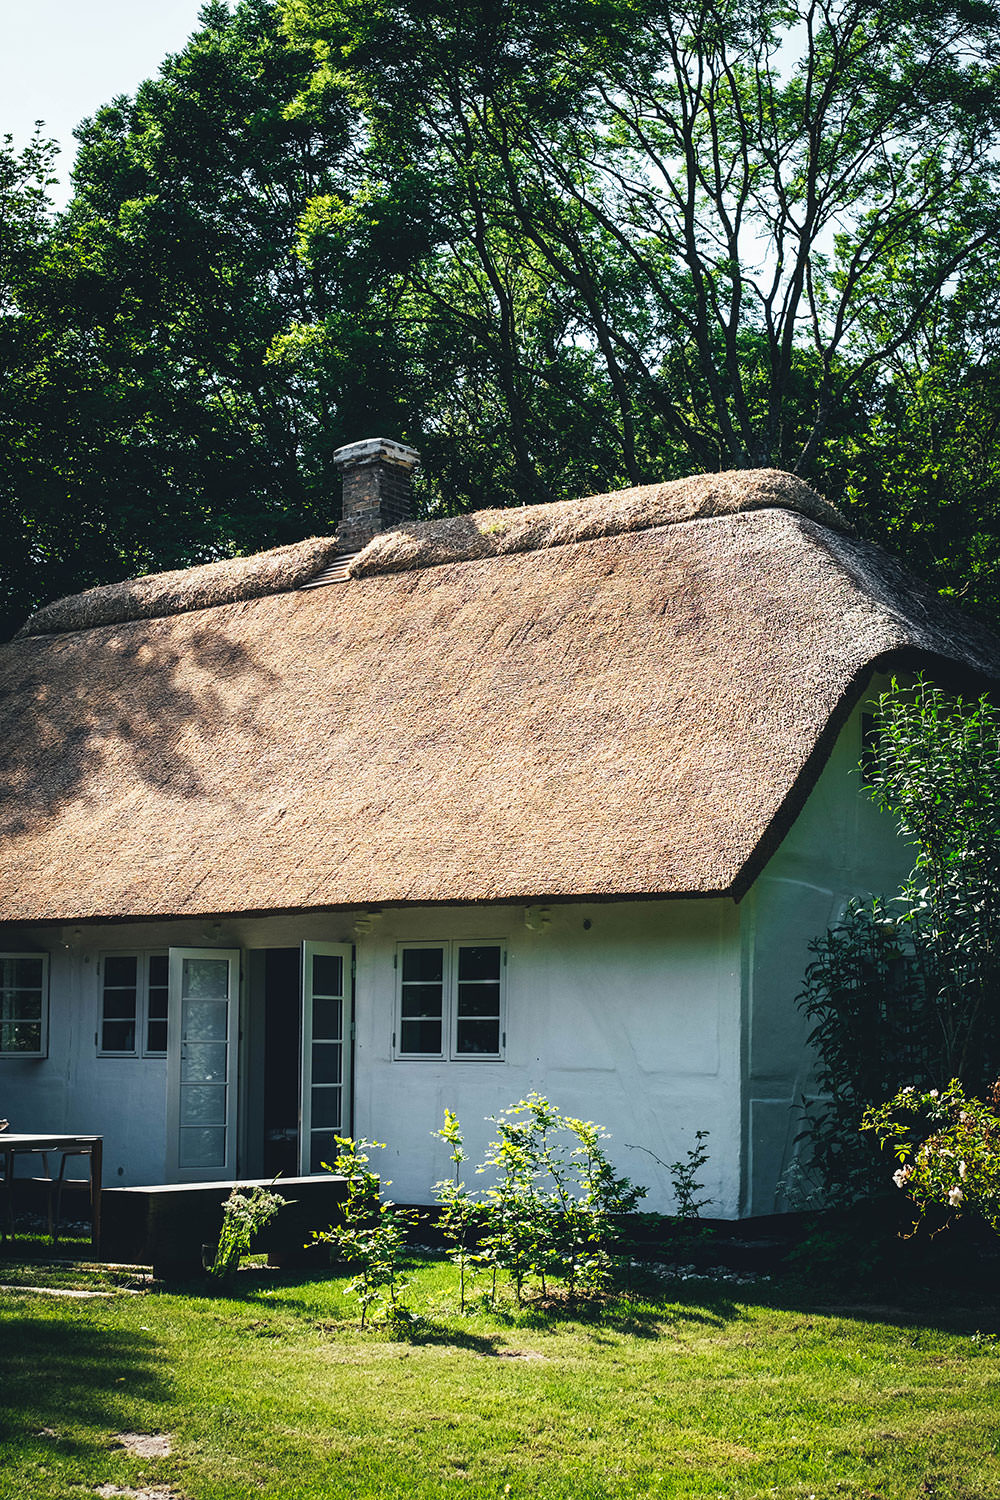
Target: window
<point>24,992</point>
<point>450,1000</point>
<point>133,1005</point>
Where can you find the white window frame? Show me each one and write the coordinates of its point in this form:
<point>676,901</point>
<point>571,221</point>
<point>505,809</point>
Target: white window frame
<point>142,1048</point>
<point>43,1048</point>
<point>449,1002</point>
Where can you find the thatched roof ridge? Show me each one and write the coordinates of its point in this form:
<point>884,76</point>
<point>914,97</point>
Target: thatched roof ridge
<point>492,533</point>
<point>423,544</point>
<point>636,715</point>
<point>183,589</point>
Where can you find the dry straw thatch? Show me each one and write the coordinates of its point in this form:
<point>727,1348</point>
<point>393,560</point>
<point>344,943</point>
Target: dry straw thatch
<point>492,533</point>
<point>422,544</point>
<point>184,589</point>
<point>636,715</point>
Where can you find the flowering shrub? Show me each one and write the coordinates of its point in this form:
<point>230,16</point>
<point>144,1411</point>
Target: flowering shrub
<point>947,1146</point>
<point>245,1212</point>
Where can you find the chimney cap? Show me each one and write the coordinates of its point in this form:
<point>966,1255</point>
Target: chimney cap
<point>370,450</point>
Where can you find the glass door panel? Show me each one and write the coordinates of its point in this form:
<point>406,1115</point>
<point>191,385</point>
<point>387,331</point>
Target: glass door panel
<point>203,1010</point>
<point>326,1036</point>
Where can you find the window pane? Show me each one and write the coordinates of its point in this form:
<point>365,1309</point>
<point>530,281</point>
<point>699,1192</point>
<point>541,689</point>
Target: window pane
<point>118,1036</point>
<point>328,974</point>
<point>479,999</point>
<point>21,1038</point>
<point>326,1109</point>
<point>423,965</point>
<point>321,1149</point>
<point>421,1000</point>
<point>326,1063</point>
<point>479,963</point>
<point>121,969</point>
<point>204,1020</point>
<point>422,1037</point>
<point>204,1062</point>
<point>156,1036</point>
<point>119,1005</point>
<point>206,978</point>
<point>23,1005</point>
<point>204,1106</point>
<point>478,1038</point>
<point>326,1020</point>
<point>202,1146</point>
<point>159,969</point>
<point>156,1007</point>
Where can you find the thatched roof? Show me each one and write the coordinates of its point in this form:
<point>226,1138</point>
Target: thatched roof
<point>424,544</point>
<point>182,589</point>
<point>631,715</point>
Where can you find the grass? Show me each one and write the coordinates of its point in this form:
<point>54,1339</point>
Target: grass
<point>689,1390</point>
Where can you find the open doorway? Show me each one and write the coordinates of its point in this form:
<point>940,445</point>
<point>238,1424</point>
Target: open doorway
<point>271,1134</point>
<point>297,1052</point>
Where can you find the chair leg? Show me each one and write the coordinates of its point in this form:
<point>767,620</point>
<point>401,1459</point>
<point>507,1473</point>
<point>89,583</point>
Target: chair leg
<point>48,1192</point>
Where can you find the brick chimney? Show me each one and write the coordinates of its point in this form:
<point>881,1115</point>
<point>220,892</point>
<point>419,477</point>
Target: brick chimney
<point>378,492</point>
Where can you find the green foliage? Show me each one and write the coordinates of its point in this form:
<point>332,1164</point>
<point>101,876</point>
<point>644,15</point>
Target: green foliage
<point>684,1177</point>
<point>461,1216</point>
<point>742,213</point>
<point>371,1236</point>
<point>948,1148</point>
<point>550,1211</point>
<point>904,990</point>
<point>560,248</point>
<point>245,1212</point>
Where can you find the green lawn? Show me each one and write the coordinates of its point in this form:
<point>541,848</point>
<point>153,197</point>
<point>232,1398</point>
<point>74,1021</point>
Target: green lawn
<point>696,1390</point>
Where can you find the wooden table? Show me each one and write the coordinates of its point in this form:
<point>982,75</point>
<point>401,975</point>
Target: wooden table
<point>15,1143</point>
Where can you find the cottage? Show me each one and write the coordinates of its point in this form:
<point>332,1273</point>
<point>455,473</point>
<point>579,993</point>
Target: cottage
<point>433,814</point>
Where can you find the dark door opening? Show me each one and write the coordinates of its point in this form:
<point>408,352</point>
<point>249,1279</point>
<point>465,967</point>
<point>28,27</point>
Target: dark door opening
<point>282,1051</point>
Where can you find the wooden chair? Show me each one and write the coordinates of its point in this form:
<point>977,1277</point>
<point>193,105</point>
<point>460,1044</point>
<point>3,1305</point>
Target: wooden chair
<point>55,1186</point>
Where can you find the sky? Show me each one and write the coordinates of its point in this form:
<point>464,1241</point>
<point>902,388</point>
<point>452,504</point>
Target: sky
<point>60,60</point>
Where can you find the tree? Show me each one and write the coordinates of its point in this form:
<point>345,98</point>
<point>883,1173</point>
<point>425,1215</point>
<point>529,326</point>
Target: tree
<point>785,193</point>
<point>165,417</point>
<point>905,991</point>
<point>25,207</point>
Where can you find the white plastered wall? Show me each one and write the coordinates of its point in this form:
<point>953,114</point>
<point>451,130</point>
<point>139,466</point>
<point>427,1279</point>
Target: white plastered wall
<point>627,1013</point>
<point>624,1013</point>
<point>839,846</point>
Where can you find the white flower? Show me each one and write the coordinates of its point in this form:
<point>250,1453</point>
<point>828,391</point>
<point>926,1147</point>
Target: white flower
<point>955,1196</point>
<point>902,1177</point>
<point>961,1170</point>
<point>934,1094</point>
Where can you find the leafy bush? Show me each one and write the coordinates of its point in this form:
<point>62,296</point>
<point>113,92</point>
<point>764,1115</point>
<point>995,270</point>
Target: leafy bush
<point>551,1210</point>
<point>372,1235</point>
<point>904,990</point>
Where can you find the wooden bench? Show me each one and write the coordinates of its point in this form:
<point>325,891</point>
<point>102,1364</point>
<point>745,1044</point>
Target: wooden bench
<point>165,1225</point>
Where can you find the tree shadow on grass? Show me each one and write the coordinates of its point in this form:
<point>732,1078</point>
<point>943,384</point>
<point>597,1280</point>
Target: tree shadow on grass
<point>58,1374</point>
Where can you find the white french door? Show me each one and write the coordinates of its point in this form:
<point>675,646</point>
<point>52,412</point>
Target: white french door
<point>202,1045</point>
<point>325,1109</point>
